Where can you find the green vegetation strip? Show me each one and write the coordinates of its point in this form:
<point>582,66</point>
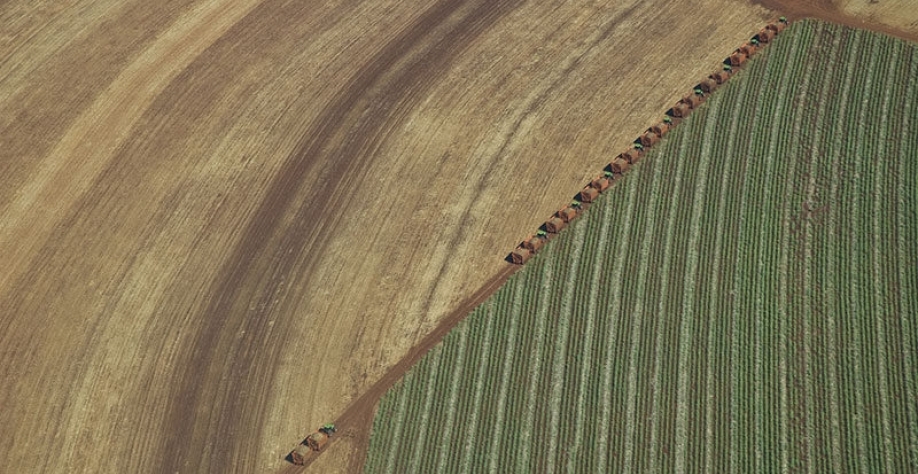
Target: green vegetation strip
<point>746,300</point>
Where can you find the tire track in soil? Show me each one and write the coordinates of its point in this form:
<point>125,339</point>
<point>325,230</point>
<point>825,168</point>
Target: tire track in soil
<point>425,49</point>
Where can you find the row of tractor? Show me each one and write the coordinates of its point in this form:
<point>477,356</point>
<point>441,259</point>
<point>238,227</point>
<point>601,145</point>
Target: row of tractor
<point>623,162</point>
<point>312,445</point>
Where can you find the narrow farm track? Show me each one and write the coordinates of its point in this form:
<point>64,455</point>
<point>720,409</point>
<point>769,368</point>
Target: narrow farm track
<point>745,273</point>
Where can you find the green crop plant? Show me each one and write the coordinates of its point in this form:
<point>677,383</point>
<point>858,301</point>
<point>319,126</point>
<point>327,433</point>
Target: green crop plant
<point>744,300</point>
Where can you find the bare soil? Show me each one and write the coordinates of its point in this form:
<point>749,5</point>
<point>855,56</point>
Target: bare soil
<point>224,223</point>
<point>897,18</point>
<point>899,14</point>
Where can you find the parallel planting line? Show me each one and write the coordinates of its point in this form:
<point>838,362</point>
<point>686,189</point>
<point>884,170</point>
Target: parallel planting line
<point>767,145</point>
<point>830,296</point>
<point>725,187</point>
<point>480,376</point>
<point>879,282</point>
<point>447,430</point>
<point>783,315</point>
<point>776,241</point>
<point>807,235</point>
<point>638,316</point>
<point>740,274</point>
<point>662,295</point>
<point>785,271</point>
<point>688,296</point>
<point>587,356</point>
<point>535,394</point>
<point>624,249</point>
<point>558,365</point>
<point>394,447</point>
<point>505,377</point>
<point>421,428</point>
<point>854,270</point>
<point>904,255</point>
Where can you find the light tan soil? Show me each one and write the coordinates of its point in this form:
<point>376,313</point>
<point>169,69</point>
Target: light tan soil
<point>897,18</point>
<point>900,14</point>
<point>224,223</point>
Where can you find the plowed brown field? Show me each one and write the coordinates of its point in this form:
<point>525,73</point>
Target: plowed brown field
<point>222,222</point>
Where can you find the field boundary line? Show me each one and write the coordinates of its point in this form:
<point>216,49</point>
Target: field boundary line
<point>673,124</point>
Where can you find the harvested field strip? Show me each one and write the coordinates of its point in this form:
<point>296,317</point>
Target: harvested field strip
<point>749,276</point>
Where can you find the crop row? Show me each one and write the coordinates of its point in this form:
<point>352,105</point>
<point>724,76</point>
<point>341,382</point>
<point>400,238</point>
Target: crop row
<point>743,302</point>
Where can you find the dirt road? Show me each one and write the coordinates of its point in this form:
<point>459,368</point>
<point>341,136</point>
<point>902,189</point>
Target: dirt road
<point>223,223</point>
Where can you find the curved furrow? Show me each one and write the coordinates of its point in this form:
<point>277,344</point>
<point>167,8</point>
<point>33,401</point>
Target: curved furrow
<point>879,282</point>
<point>558,366</point>
<point>471,440</point>
<point>396,434</point>
<point>862,434</point>
<point>832,310</point>
<point>741,278</point>
<point>905,252</point>
<point>419,435</point>
<point>762,289</point>
<point>726,185</point>
<point>669,161</point>
<point>623,247</point>
<point>535,391</point>
<point>513,313</point>
<point>691,275</point>
<point>587,356</point>
<point>805,234</point>
<point>638,316</point>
